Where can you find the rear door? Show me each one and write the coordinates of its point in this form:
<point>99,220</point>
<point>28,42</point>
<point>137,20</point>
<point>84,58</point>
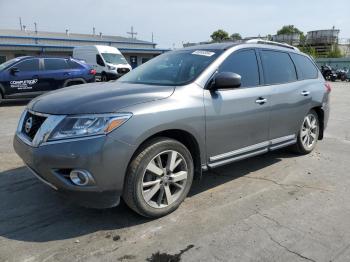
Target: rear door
<point>23,79</point>
<point>56,72</point>
<point>237,119</point>
<point>290,99</point>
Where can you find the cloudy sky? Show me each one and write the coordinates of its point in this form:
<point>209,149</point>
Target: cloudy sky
<point>177,21</point>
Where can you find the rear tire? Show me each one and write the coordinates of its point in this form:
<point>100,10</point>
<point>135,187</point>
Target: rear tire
<point>308,134</point>
<point>159,178</point>
<point>104,77</point>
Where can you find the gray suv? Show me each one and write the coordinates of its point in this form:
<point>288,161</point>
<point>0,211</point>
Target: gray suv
<point>146,136</point>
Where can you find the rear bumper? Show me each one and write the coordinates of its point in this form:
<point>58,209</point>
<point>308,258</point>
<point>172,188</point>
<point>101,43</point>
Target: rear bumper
<point>105,158</point>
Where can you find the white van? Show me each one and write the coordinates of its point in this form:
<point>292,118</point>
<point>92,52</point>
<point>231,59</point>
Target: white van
<point>108,62</point>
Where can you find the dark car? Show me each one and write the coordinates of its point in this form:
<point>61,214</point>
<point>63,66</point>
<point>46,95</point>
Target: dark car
<point>27,77</point>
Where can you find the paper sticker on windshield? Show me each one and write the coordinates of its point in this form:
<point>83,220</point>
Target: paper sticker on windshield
<point>203,53</point>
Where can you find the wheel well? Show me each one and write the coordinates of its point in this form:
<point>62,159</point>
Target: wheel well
<point>188,140</point>
<point>320,115</point>
<point>71,82</point>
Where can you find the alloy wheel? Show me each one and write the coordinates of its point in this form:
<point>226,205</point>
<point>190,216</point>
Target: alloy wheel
<point>309,131</point>
<point>164,179</point>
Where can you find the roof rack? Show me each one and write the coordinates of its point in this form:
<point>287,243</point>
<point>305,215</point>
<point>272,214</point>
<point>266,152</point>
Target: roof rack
<point>266,42</point>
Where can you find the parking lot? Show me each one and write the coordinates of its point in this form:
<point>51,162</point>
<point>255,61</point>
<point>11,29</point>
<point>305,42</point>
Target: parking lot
<point>275,207</point>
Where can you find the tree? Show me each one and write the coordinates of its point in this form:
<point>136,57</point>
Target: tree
<point>288,30</point>
<point>236,37</point>
<point>309,50</point>
<point>334,53</point>
<point>220,35</point>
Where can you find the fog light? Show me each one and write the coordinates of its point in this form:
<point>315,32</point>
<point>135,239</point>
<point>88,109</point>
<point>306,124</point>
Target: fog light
<point>81,177</point>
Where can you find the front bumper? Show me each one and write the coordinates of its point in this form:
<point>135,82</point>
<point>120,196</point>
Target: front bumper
<point>104,157</point>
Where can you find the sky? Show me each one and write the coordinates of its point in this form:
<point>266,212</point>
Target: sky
<point>177,21</point>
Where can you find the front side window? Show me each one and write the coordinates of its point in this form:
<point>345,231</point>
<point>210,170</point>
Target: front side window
<point>114,58</point>
<point>278,67</point>
<point>99,60</point>
<point>172,68</point>
<point>9,63</point>
<point>55,64</point>
<point>245,64</point>
<point>28,65</point>
<point>306,69</point>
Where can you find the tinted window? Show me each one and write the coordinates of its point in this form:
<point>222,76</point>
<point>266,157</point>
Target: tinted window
<point>278,67</point>
<point>245,64</point>
<point>74,65</point>
<point>28,65</point>
<point>55,64</point>
<point>99,60</point>
<point>305,68</point>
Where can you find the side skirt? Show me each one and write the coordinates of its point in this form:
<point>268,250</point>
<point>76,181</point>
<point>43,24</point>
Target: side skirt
<point>250,151</point>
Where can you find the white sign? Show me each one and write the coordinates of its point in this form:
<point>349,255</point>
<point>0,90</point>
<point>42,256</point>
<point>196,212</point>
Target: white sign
<point>203,53</point>
<point>23,84</point>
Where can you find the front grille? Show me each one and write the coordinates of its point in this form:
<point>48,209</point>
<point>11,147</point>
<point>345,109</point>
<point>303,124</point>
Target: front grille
<point>123,70</point>
<point>31,124</point>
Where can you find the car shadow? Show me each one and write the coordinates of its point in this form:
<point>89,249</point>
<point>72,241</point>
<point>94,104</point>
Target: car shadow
<point>14,102</point>
<point>32,212</point>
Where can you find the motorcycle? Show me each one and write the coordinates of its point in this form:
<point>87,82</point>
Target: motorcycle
<point>342,74</point>
<point>328,73</point>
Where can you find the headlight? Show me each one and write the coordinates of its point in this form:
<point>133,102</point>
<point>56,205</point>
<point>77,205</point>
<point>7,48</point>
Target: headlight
<point>87,125</point>
<point>111,67</point>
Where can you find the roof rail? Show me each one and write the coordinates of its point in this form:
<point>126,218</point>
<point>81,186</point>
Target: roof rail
<point>267,42</point>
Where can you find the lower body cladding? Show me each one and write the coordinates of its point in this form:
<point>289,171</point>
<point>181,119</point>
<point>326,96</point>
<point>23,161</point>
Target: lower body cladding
<point>89,171</point>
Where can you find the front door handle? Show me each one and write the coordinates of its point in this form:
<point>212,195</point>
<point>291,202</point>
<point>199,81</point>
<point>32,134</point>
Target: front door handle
<point>261,101</point>
<point>305,93</point>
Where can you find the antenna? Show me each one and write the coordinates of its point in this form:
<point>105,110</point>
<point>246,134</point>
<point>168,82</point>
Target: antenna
<point>132,33</point>
<point>20,23</point>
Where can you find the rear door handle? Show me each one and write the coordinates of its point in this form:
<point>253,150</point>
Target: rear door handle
<point>261,101</point>
<point>305,93</point>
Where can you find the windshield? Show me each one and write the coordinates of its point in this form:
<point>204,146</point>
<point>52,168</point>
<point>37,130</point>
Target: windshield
<point>8,63</point>
<point>114,58</point>
<point>172,68</point>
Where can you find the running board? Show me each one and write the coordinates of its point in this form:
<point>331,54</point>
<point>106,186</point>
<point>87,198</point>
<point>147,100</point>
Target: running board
<point>250,151</point>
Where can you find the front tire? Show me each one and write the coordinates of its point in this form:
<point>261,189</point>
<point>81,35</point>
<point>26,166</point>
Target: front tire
<point>159,178</point>
<point>104,77</point>
<point>308,134</point>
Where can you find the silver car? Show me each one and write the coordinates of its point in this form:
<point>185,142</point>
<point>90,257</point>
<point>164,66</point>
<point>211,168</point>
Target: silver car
<point>146,136</point>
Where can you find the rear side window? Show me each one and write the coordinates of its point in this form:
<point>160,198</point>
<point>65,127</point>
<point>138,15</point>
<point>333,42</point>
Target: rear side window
<point>245,64</point>
<point>55,64</point>
<point>278,67</point>
<point>306,69</point>
<point>28,65</point>
<point>74,65</point>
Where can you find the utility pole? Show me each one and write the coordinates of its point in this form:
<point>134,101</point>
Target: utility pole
<point>132,33</point>
<point>20,23</point>
<point>36,27</point>
<point>152,38</point>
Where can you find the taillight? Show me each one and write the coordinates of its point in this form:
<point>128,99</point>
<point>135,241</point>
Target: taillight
<point>328,87</point>
<point>92,72</point>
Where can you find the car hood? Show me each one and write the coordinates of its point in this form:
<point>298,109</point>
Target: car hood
<point>97,98</point>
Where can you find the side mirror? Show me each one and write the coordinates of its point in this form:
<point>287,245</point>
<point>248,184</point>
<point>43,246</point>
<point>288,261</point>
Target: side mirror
<point>226,80</point>
<point>14,70</point>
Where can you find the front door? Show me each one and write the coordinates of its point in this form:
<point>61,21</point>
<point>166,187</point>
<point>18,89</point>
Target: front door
<point>23,79</point>
<point>237,119</point>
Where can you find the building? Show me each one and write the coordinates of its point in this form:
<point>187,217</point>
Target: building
<point>291,39</point>
<point>14,43</point>
<point>323,41</point>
